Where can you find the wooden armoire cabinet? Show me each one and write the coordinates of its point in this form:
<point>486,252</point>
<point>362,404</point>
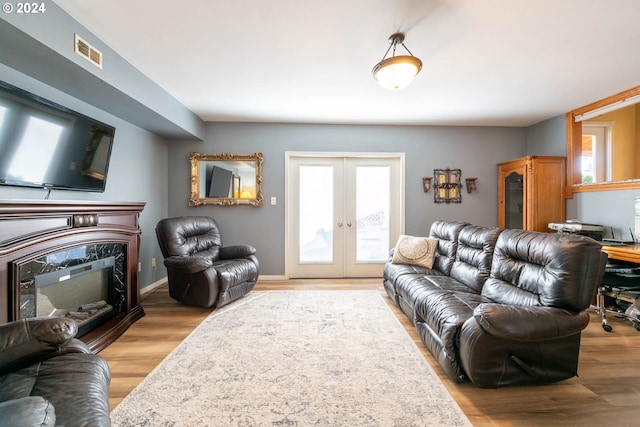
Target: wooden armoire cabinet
<point>531,192</point>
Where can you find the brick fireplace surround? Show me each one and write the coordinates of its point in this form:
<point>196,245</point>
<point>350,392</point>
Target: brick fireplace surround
<point>59,240</point>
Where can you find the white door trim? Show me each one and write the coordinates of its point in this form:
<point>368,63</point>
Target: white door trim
<point>311,154</point>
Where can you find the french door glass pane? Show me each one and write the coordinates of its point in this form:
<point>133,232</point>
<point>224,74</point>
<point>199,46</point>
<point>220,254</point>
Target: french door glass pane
<point>372,213</point>
<point>316,214</point>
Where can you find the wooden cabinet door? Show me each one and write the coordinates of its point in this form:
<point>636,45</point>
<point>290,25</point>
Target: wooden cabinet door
<point>531,192</point>
<point>511,190</point>
<point>546,201</point>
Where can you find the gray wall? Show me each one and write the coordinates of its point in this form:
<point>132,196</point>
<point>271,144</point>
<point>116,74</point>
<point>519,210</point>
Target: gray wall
<point>547,138</point>
<point>613,209</point>
<point>137,171</point>
<point>475,150</point>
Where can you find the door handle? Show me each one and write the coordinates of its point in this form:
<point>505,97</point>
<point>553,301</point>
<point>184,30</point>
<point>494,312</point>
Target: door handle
<point>348,224</point>
<point>339,224</point>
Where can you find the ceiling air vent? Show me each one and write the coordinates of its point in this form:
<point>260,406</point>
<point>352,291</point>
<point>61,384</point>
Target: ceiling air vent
<point>88,52</point>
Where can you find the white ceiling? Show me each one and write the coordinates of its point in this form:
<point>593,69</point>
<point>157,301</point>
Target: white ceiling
<point>486,62</point>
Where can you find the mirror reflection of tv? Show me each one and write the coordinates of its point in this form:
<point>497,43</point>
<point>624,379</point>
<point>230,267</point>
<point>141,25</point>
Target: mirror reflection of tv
<point>219,182</point>
<point>46,145</point>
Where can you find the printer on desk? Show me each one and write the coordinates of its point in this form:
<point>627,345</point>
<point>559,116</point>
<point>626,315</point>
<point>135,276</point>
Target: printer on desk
<point>577,227</point>
<point>594,231</point>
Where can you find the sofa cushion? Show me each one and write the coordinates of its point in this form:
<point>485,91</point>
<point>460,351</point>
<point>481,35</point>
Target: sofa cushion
<point>447,234</point>
<point>29,411</point>
<point>441,315</point>
<point>410,287</point>
<point>392,272</point>
<point>542,269</point>
<point>472,265</point>
<point>414,250</point>
<point>448,284</point>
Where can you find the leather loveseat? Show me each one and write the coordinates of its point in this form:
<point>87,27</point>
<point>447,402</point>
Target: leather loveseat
<point>49,378</point>
<point>499,307</point>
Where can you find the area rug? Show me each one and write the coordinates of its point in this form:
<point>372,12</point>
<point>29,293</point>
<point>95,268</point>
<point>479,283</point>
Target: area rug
<point>294,358</point>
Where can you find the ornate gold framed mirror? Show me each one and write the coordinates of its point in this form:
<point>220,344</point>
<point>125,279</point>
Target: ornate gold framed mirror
<point>603,144</point>
<point>226,179</point>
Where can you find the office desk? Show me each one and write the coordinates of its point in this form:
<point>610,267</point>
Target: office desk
<point>623,288</point>
<point>628,253</point>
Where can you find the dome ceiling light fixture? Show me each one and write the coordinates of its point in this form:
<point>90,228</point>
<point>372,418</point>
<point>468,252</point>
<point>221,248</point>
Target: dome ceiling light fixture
<point>396,72</point>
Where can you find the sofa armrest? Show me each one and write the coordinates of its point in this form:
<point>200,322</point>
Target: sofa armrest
<point>28,341</point>
<point>236,251</point>
<point>188,264</point>
<point>520,323</point>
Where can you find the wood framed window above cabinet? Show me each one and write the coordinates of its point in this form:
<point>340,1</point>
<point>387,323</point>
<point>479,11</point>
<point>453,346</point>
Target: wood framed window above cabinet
<point>531,192</point>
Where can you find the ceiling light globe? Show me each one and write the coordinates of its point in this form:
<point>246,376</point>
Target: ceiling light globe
<point>397,72</point>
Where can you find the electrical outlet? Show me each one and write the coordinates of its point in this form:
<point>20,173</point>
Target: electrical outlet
<point>153,262</point>
<point>139,267</point>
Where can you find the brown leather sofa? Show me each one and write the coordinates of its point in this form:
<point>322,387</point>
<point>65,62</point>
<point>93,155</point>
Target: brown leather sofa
<point>200,270</point>
<point>500,307</point>
<point>49,378</point>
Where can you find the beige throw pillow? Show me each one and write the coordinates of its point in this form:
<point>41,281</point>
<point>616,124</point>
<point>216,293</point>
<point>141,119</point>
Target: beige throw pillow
<point>415,251</point>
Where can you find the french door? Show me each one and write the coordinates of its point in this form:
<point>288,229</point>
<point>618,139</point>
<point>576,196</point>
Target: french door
<point>344,212</point>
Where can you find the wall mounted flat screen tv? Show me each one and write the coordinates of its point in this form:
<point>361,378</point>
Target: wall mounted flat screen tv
<point>43,144</point>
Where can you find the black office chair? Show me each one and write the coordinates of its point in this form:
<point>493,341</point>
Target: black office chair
<point>200,270</point>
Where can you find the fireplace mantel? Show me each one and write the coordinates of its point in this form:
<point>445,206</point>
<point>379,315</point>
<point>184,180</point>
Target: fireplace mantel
<point>32,229</point>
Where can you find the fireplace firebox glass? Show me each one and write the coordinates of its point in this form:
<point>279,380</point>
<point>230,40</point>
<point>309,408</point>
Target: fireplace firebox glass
<point>85,283</point>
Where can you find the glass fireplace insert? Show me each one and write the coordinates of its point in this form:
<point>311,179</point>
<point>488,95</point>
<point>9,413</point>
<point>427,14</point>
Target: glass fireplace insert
<point>85,283</point>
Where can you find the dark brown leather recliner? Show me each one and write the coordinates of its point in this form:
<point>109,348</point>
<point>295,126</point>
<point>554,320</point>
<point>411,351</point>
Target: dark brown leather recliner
<point>200,270</point>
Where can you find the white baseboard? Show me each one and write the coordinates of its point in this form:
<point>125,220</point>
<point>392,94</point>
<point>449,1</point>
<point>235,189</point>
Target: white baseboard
<point>153,286</point>
<point>267,278</point>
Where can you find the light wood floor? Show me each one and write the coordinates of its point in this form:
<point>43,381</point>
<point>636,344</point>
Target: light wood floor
<point>606,393</point>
